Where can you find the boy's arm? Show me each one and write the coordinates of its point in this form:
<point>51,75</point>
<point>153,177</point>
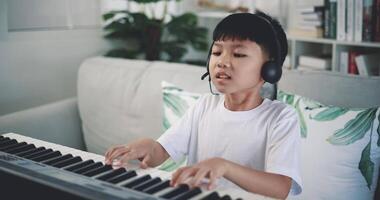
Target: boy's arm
<point>269,184</point>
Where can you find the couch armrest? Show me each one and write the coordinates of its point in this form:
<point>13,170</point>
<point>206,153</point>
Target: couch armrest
<point>57,122</point>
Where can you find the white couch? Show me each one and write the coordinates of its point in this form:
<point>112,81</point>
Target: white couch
<point>120,100</point>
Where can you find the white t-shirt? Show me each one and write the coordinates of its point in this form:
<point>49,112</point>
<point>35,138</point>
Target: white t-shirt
<point>265,138</point>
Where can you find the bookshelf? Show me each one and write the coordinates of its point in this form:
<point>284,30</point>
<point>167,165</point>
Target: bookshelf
<point>315,46</point>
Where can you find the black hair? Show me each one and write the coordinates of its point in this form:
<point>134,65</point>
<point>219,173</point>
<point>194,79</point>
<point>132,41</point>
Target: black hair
<point>243,26</point>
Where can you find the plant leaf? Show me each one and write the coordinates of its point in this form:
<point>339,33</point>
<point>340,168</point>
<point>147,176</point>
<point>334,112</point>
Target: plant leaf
<point>169,165</point>
<point>330,113</point>
<point>355,129</point>
<point>366,166</point>
<point>122,53</point>
<point>301,119</point>
<point>284,97</point>
<point>176,104</point>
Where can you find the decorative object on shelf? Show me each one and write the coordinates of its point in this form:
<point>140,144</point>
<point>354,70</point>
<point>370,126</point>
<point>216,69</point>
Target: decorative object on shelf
<point>164,38</point>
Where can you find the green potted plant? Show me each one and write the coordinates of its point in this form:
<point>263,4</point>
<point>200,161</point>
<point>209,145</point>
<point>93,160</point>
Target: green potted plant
<point>156,39</point>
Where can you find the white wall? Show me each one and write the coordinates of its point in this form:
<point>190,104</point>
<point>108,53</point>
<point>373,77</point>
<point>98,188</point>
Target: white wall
<point>40,66</point>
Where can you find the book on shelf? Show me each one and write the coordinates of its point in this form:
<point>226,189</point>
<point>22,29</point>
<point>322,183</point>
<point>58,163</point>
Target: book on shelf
<point>368,64</point>
<point>310,9</point>
<point>341,20</point>
<point>352,67</point>
<point>358,24</point>
<point>315,33</point>
<point>376,23</point>
<point>367,20</point>
<point>343,62</point>
<point>315,62</point>
<point>350,20</point>
<point>308,68</point>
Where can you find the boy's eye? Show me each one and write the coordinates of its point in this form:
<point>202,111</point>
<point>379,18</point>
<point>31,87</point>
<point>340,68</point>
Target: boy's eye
<point>239,55</point>
<point>216,53</point>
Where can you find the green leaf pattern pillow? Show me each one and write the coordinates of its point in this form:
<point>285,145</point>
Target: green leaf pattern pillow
<point>176,102</point>
<point>346,132</point>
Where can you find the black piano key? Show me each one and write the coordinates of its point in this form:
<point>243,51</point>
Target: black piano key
<point>98,170</point>
<point>30,151</point>
<point>79,165</point>
<point>12,146</point>
<point>47,156</point>
<point>8,142</point>
<point>212,196</point>
<point>189,194</point>
<point>181,189</point>
<point>122,177</point>
<point>147,184</point>
<point>21,148</point>
<point>4,139</point>
<point>157,187</point>
<point>39,153</point>
<point>52,161</point>
<point>87,168</point>
<point>137,181</point>
<point>112,174</point>
<point>1,136</point>
<point>226,197</point>
<point>67,162</point>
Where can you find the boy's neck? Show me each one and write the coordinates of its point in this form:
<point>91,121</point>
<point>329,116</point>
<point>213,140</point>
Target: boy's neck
<point>242,101</point>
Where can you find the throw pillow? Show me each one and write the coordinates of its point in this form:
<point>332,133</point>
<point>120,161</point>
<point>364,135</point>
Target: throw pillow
<point>176,102</point>
<point>340,152</point>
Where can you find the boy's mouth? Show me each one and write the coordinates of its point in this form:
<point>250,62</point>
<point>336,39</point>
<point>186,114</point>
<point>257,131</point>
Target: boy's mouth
<point>222,75</point>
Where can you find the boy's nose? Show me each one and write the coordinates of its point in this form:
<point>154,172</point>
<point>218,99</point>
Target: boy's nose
<point>223,63</point>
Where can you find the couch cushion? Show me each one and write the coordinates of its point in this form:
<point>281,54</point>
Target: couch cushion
<point>340,153</point>
<point>121,100</point>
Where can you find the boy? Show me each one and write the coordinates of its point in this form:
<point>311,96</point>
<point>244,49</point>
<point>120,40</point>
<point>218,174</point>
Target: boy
<point>238,138</point>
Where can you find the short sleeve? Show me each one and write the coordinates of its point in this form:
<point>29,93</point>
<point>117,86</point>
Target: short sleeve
<point>176,139</point>
<point>283,150</point>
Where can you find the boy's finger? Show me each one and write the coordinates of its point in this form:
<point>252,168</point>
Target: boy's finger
<point>176,174</point>
<point>129,155</point>
<point>198,177</point>
<point>117,153</point>
<point>111,150</point>
<point>185,175</point>
<point>212,183</point>
<point>144,162</point>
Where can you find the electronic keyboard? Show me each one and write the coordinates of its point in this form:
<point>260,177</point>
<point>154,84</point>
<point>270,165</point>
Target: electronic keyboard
<point>34,168</point>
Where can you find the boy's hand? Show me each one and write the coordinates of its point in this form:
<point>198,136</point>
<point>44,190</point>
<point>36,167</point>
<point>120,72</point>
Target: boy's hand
<point>212,169</point>
<point>141,149</point>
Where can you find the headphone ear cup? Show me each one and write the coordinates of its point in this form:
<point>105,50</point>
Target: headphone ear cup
<point>270,72</point>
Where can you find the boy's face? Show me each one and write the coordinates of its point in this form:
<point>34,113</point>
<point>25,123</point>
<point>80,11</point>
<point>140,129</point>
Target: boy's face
<point>235,66</point>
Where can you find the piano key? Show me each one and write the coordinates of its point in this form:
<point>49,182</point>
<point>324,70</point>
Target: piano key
<point>67,162</point>
<point>98,170</point>
<point>211,196</point>
<point>47,156</point>
<point>12,146</point>
<point>57,159</point>
<point>38,153</point>
<point>112,174</point>
<point>181,189</point>
<point>4,139</point>
<point>20,149</point>
<point>87,168</point>
<point>78,165</point>
<point>147,184</point>
<point>31,151</point>
<point>226,197</point>
<point>157,187</point>
<point>122,177</point>
<point>1,136</point>
<point>137,181</point>
<point>8,142</point>
<point>189,194</point>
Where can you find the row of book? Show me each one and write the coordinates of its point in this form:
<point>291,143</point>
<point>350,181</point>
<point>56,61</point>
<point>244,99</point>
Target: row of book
<point>354,62</point>
<point>344,20</point>
<point>350,62</point>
